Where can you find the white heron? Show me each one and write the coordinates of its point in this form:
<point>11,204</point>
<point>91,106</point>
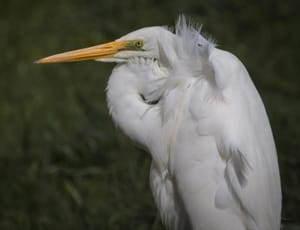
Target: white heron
<point>194,108</point>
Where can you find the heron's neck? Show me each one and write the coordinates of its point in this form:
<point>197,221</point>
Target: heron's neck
<point>126,103</point>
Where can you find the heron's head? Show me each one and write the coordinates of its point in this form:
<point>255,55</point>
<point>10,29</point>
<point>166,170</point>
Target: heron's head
<point>143,43</point>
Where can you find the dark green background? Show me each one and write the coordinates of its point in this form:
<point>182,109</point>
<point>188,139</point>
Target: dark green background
<point>63,165</point>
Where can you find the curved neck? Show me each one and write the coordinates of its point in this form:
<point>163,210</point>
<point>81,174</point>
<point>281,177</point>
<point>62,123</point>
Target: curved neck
<point>137,119</point>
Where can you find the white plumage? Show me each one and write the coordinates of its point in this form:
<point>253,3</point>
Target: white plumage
<point>194,108</point>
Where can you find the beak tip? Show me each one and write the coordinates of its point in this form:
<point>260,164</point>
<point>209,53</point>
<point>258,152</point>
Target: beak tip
<point>42,61</point>
<point>39,61</point>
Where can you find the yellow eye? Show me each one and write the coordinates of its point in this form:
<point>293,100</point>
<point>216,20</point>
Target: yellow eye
<point>139,44</point>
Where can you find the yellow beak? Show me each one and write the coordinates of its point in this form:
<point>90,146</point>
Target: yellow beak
<point>95,52</point>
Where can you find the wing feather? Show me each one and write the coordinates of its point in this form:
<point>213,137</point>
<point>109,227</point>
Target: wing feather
<point>245,143</point>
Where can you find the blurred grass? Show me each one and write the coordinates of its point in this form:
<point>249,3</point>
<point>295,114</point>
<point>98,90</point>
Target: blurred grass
<point>63,165</point>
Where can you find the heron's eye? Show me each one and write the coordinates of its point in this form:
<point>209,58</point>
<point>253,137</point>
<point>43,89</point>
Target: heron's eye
<point>139,44</point>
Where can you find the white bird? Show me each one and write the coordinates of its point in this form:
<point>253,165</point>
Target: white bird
<point>194,108</point>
